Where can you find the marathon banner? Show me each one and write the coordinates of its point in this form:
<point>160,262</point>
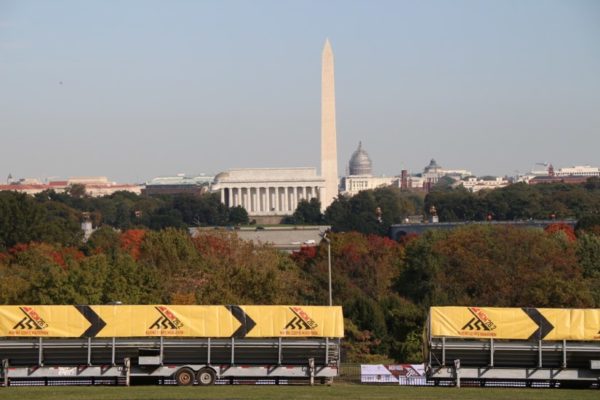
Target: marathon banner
<point>171,320</point>
<point>515,323</point>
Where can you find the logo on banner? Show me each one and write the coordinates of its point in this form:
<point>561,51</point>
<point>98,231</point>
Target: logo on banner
<point>479,325</point>
<point>166,324</point>
<point>31,324</point>
<point>301,324</point>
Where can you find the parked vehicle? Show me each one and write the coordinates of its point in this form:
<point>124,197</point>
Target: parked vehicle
<point>121,343</point>
<point>488,345</point>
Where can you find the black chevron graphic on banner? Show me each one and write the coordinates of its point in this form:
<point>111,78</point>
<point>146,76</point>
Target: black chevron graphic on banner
<point>544,326</point>
<point>297,323</point>
<point>475,324</point>
<point>93,318</point>
<point>247,322</point>
<point>26,323</point>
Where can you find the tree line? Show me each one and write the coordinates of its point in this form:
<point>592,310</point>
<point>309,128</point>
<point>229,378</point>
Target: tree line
<point>55,217</point>
<point>517,202</point>
<point>374,211</point>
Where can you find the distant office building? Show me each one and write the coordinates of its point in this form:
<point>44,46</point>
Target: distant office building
<point>179,184</point>
<point>94,186</point>
<point>570,175</point>
<point>101,186</point>
<point>578,170</point>
<point>475,184</point>
<point>569,179</point>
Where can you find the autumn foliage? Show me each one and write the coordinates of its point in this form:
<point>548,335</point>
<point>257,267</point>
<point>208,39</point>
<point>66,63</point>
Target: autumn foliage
<point>567,230</point>
<point>57,254</point>
<point>305,254</point>
<point>131,240</point>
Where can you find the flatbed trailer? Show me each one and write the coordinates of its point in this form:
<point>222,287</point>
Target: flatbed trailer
<point>302,351</point>
<point>203,360</point>
<point>560,347</point>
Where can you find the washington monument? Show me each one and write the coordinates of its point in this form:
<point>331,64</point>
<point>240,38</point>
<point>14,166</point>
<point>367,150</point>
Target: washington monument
<point>328,132</point>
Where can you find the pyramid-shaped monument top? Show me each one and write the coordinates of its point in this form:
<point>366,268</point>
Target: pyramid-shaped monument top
<point>327,51</point>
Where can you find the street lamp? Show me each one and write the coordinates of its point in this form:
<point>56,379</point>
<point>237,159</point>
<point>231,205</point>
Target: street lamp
<point>325,238</point>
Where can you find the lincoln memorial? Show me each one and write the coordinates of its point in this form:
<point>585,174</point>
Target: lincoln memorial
<point>268,191</point>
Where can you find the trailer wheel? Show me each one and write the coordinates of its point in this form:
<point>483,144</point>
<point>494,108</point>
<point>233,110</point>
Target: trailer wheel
<point>184,377</point>
<point>206,376</point>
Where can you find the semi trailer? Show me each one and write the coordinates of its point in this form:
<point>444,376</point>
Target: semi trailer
<point>119,344</point>
<point>487,346</point>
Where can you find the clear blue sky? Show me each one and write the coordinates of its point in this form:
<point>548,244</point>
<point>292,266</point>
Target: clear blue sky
<point>137,89</point>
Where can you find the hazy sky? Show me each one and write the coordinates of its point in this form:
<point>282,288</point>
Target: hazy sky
<point>137,89</point>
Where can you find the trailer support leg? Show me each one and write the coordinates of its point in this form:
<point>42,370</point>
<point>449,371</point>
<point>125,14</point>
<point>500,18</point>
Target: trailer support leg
<point>208,351</point>
<point>5,371</point>
<point>457,372</point>
<point>311,370</point>
<point>232,350</point>
<point>161,355</point>
<point>40,352</point>
<point>89,352</point>
<point>279,352</point>
<point>113,352</point>
<point>127,366</point>
<point>443,350</point>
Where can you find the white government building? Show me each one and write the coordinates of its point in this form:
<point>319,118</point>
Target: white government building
<point>268,191</point>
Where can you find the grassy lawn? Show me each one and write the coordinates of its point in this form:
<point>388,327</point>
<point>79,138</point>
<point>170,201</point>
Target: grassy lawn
<point>338,391</point>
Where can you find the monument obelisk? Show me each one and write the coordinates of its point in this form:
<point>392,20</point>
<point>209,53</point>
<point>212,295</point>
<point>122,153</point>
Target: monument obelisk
<point>329,162</point>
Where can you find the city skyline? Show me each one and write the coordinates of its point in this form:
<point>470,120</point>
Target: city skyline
<point>135,92</point>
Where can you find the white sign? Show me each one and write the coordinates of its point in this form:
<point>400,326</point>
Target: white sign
<point>402,374</point>
<point>377,373</point>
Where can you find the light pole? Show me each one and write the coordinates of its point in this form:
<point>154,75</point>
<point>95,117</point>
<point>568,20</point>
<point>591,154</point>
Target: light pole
<point>324,236</point>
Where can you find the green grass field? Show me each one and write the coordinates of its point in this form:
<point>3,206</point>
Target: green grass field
<point>337,391</point>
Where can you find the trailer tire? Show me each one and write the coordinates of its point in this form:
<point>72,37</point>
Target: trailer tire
<point>184,377</point>
<point>206,376</point>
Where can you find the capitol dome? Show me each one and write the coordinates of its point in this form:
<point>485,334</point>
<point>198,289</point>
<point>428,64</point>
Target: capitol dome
<point>360,163</point>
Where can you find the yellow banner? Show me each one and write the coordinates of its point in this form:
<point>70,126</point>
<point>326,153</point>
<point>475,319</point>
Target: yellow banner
<point>171,320</point>
<point>515,323</point>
